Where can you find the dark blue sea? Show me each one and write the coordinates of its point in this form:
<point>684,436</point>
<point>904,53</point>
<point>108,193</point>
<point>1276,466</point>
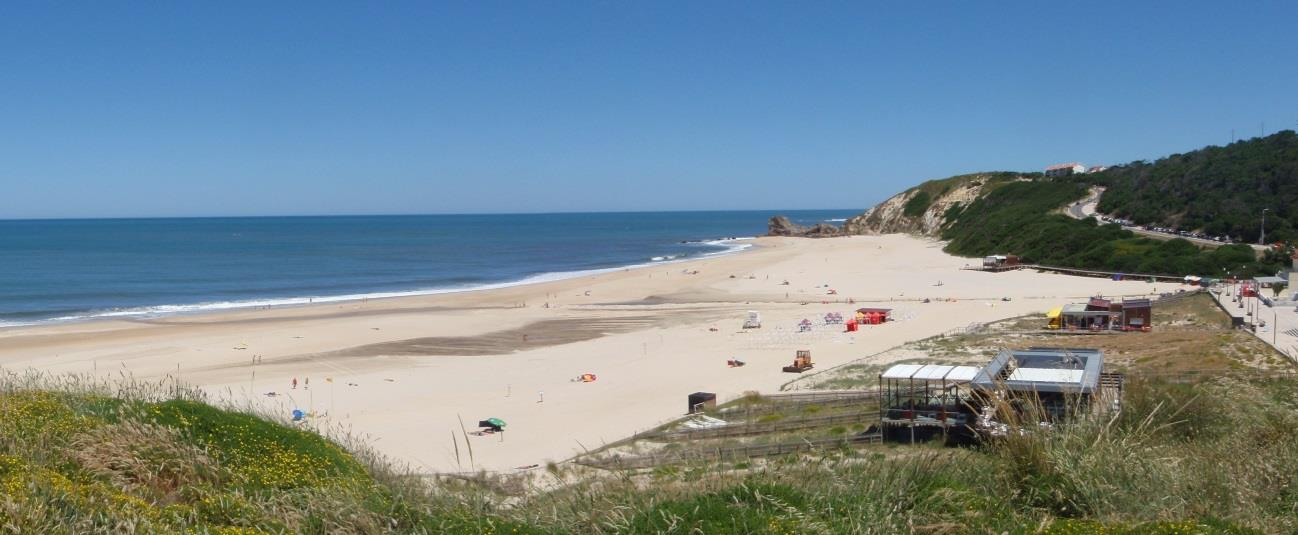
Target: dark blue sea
<point>67,270</point>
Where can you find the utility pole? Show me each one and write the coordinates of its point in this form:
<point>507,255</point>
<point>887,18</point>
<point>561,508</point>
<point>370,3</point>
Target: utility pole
<point>1262,240</point>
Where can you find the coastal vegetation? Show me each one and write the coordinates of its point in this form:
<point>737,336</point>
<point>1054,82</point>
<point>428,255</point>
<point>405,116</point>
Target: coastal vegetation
<point>76,457</point>
<point>1170,463</point>
<point>1217,190</point>
<point>918,204</point>
<point>1022,218</point>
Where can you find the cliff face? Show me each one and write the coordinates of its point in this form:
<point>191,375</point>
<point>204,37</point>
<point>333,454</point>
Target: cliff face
<point>922,210</point>
<point>904,213</point>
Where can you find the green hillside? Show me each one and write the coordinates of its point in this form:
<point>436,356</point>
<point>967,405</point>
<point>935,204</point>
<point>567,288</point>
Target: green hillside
<point>1218,190</point>
<point>1022,218</point>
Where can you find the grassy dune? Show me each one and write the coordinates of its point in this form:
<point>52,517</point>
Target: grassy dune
<point>1212,457</point>
<point>75,459</point>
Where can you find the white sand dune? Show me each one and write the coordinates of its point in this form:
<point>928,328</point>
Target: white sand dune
<point>406,371</point>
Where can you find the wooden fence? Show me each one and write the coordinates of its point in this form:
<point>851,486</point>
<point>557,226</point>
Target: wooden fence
<point>763,428</point>
<point>723,454</point>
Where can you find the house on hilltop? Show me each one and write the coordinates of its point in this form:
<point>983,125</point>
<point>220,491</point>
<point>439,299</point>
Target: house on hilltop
<point>1065,169</point>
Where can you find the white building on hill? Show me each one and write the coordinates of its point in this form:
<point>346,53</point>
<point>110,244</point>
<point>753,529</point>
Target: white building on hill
<point>1065,169</point>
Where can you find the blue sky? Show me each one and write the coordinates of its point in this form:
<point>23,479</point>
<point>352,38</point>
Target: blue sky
<point>259,108</point>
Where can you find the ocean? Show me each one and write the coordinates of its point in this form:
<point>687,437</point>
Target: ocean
<point>72,270</point>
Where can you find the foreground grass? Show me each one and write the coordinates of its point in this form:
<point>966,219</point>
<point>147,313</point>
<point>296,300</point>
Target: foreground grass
<point>1206,458</point>
<point>74,459</point>
<point>1213,457</point>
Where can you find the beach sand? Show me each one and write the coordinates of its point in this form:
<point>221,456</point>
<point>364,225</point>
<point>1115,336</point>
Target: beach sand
<point>407,371</point>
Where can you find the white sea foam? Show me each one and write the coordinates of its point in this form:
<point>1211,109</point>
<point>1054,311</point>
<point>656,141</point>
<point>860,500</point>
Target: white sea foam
<point>836,220</point>
<point>731,246</point>
<point>167,310</point>
<point>4,324</point>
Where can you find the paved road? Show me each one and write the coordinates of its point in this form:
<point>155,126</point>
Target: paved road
<point>1086,207</point>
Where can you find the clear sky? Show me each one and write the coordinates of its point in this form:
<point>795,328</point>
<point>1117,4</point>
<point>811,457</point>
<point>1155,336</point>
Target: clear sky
<point>111,109</point>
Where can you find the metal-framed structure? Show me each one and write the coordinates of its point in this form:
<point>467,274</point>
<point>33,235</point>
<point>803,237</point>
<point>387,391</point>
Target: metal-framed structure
<point>929,396</point>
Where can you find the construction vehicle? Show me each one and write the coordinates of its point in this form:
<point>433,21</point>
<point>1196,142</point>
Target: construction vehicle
<point>801,362</point>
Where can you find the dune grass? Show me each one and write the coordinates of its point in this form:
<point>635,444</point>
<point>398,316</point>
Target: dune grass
<point>1206,458</point>
<point>76,457</point>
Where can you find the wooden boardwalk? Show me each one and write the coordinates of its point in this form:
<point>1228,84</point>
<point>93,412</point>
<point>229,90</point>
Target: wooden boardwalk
<point>1080,272</point>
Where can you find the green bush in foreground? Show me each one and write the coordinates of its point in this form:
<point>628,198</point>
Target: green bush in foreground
<point>74,460</point>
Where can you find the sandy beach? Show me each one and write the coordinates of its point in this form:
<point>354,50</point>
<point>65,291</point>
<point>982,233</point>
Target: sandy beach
<point>406,373</point>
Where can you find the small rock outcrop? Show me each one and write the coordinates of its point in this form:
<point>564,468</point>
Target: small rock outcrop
<point>782,226</point>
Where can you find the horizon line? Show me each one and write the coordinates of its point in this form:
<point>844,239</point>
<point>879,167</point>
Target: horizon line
<point>773,212</point>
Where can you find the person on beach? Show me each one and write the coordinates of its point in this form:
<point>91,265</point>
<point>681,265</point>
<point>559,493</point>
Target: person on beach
<point>306,383</point>
<point>295,383</point>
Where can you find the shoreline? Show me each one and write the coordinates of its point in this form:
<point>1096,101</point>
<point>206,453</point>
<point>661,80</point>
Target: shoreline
<point>406,371</point>
<point>155,312</point>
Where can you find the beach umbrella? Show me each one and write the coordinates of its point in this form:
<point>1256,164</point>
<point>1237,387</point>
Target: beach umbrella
<point>496,422</point>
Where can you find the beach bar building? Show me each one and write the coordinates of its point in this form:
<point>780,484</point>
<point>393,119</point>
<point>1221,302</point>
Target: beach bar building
<point>1039,385</point>
<point>1058,380</point>
<point>1100,314</point>
<point>1079,316</point>
<point>924,400</point>
<point>1000,261</point>
<point>1137,315</point>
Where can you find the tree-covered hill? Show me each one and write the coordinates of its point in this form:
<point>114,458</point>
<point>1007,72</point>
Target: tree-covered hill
<point>1021,218</point>
<point>1219,190</point>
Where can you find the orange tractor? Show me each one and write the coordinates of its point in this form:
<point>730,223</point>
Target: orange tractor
<point>801,362</point>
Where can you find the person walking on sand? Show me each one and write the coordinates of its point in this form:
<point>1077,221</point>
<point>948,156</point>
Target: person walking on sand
<point>540,394</point>
<point>295,383</point>
<point>306,383</point>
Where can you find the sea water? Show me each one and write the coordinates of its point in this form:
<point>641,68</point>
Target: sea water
<point>68,270</point>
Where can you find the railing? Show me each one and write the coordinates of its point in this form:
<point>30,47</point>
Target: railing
<point>972,328</point>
